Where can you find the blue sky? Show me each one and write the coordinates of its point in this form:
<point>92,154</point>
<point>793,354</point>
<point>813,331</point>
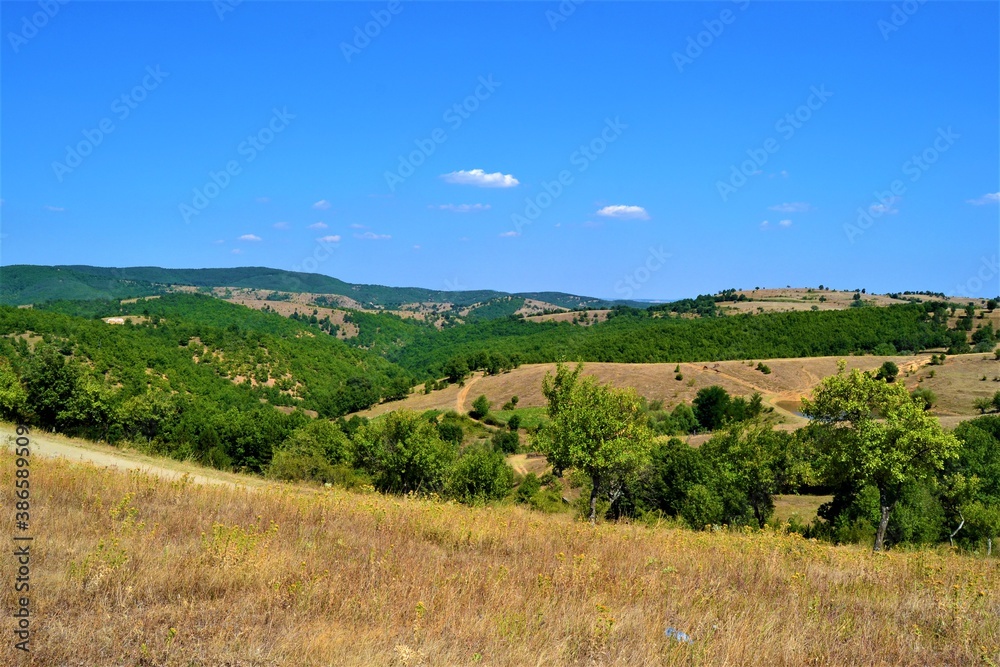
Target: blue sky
<point>616,150</point>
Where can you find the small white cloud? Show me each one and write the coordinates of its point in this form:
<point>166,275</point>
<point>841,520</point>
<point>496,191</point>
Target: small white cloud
<point>372,236</point>
<point>54,209</point>
<point>333,238</point>
<point>250,237</point>
<point>791,207</point>
<point>281,225</point>
<point>885,207</point>
<point>988,198</point>
<point>237,251</point>
<point>321,205</point>
<point>416,247</point>
<point>462,208</point>
<point>263,200</point>
<point>624,212</point>
<point>785,223</point>
<point>765,224</point>
<point>219,241</point>
<point>355,225</point>
<point>481,179</point>
<point>784,173</point>
<point>510,234</point>
<point>318,225</point>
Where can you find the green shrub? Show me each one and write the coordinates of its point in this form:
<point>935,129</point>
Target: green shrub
<point>480,475</point>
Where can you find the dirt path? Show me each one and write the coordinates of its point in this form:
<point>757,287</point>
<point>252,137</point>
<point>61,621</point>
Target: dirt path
<point>51,445</point>
<point>462,395</point>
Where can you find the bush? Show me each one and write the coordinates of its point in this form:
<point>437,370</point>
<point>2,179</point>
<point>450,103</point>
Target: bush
<point>701,507</point>
<point>888,372</point>
<point>982,404</point>
<point>528,487</point>
<point>451,432</point>
<point>926,396</point>
<point>507,442</point>
<point>480,475</point>
<point>514,422</point>
<point>480,407</point>
<point>763,368</point>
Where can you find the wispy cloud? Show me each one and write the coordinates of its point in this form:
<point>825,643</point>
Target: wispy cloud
<point>355,225</point>
<point>250,237</point>
<point>219,241</point>
<point>372,236</point>
<point>237,251</point>
<point>333,238</point>
<point>624,212</point>
<point>318,225</point>
<point>281,225</point>
<point>481,179</point>
<point>784,224</point>
<point>509,234</point>
<point>885,207</point>
<point>322,205</point>
<point>791,207</point>
<point>462,208</point>
<point>988,198</point>
<point>54,209</point>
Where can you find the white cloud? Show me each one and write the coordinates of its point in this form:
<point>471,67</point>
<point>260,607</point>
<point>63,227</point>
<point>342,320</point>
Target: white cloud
<point>281,225</point>
<point>791,207</point>
<point>509,234</point>
<point>333,238</point>
<point>481,179</point>
<point>237,251</point>
<point>355,225</point>
<point>318,225</point>
<point>885,207</point>
<point>462,208</point>
<point>988,198</point>
<point>785,223</point>
<point>219,241</point>
<point>250,237</point>
<point>416,247</point>
<point>321,205</point>
<point>624,212</point>
<point>54,209</point>
<point>765,224</point>
<point>372,236</point>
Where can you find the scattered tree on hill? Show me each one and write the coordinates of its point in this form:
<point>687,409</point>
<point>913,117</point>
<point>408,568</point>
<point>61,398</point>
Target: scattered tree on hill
<point>888,372</point>
<point>711,407</point>
<point>877,434</point>
<point>596,429</point>
<point>480,407</point>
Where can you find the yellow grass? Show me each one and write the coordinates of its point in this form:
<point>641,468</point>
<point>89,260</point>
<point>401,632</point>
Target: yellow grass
<point>129,569</point>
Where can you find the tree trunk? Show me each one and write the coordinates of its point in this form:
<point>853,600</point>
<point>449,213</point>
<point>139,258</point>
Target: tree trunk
<point>593,502</point>
<point>883,522</point>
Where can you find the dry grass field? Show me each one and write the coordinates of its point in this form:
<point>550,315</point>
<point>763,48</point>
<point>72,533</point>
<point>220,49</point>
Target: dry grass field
<point>956,383</point>
<point>129,569</point>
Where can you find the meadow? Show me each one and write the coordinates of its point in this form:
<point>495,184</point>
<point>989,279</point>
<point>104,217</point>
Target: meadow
<point>131,569</point>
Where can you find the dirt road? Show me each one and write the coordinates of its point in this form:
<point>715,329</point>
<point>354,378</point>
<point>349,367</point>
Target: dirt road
<point>52,445</point>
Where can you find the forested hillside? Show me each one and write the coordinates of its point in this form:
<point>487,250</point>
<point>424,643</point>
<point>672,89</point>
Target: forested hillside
<point>638,337</point>
<point>197,374</point>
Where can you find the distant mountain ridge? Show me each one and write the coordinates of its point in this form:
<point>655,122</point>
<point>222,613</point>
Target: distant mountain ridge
<point>22,284</point>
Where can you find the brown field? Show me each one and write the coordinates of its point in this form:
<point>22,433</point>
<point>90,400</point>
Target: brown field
<point>956,383</point>
<point>130,569</point>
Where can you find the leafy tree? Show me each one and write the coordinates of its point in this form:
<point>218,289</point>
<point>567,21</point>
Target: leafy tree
<point>888,372</point>
<point>684,419</point>
<point>403,452</point>
<point>712,407</point>
<point>480,475</point>
<point>878,435</point>
<point>982,404</point>
<point>451,432</point>
<point>507,442</point>
<point>924,397</point>
<point>991,305</point>
<point>50,382</point>
<point>480,407</point>
<point>514,422</point>
<point>596,429</point>
<point>13,397</point>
